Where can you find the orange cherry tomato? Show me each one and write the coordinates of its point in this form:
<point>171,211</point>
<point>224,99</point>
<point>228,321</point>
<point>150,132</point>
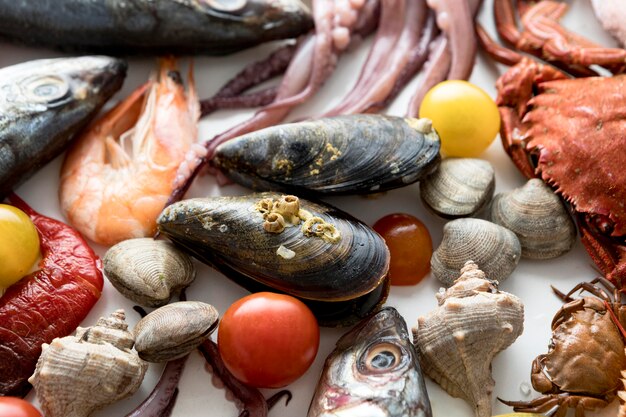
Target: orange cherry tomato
<point>268,340</point>
<point>16,407</point>
<point>410,247</point>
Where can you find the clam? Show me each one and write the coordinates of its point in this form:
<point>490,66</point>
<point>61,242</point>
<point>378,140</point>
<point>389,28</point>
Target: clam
<point>356,154</point>
<point>334,263</point>
<point>76,375</point>
<point>148,271</point>
<point>538,218</point>
<point>172,331</point>
<point>457,341</point>
<point>460,187</point>
<point>495,249</point>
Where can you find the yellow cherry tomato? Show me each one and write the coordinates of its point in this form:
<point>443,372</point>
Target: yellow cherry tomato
<point>19,245</point>
<point>465,117</point>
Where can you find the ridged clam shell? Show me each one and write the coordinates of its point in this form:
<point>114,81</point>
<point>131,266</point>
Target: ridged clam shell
<point>148,271</point>
<point>538,218</point>
<point>495,250</point>
<point>460,187</point>
<point>76,375</point>
<point>356,154</point>
<point>337,279</point>
<point>457,341</point>
<point>174,330</point>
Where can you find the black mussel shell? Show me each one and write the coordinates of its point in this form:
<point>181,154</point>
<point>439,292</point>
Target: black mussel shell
<point>356,154</point>
<point>342,279</point>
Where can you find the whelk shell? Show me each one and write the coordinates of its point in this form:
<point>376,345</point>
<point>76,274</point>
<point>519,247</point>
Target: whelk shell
<point>76,375</point>
<point>456,343</point>
<point>460,187</point>
<point>148,271</point>
<point>495,250</point>
<point>338,266</point>
<point>174,330</point>
<point>538,218</point>
<point>356,154</point>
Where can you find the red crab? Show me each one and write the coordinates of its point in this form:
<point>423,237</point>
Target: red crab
<point>572,134</point>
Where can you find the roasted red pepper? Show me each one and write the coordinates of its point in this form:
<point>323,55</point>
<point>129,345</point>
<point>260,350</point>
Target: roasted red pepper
<point>48,303</point>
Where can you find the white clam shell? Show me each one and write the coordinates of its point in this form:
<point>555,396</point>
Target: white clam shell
<point>458,340</point>
<point>495,249</point>
<point>459,188</point>
<point>148,271</point>
<point>538,218</point>
<point>174,330</point>
<point>76,375</point>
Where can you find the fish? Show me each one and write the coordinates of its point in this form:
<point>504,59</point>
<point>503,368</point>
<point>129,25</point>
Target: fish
<point>150,27</point>
<point>43,104</point>
<point>374,372</point>
<point>117,176</point>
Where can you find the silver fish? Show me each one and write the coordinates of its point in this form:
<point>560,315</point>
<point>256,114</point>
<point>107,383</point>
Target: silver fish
<point>373,372</point>
<point>152,26</point>
<point>43,103</point>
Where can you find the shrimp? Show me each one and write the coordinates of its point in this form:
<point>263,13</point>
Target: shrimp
<point>117,177</point>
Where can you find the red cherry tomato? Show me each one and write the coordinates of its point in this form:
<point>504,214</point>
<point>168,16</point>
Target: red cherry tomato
<point>16,407</point>
<point>410,247</point>
<point>268,340</point>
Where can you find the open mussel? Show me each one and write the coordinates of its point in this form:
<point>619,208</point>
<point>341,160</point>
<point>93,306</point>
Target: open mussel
<point>334,263</point>
<point>356,154</point>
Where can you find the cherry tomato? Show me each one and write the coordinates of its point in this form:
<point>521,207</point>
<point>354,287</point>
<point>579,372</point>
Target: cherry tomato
<point>268,340</point>
<point>19,245</point>
<point>16,407</point>
<point>465,117</point>
<point>410,247</point>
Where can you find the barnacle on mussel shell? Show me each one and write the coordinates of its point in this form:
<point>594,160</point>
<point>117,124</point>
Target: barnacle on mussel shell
<point>356,154</point>
<point>334,263</point>
<point>76,375</point>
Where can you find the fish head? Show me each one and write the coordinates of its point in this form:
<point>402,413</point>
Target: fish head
<point>54,84</point>
<point>372,372</point>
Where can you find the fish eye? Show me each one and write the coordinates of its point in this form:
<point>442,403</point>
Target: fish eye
<point>46,89</point>
<point>382,357</point>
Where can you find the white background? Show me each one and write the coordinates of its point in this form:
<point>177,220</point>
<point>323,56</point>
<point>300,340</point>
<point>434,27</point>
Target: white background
<point>530,281</point>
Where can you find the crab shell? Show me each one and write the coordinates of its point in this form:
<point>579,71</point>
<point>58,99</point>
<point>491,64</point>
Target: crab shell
<point>577,126</point>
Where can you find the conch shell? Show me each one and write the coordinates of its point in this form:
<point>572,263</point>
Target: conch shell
<point>76,375</point>
<point>457,342</point>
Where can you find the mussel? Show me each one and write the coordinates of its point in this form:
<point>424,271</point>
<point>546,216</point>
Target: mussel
<point>356,154</point>
<point>334,263</point>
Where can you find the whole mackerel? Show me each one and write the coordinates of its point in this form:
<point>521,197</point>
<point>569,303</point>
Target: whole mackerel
<point>373,372</point>
<point>44,103</point>
<point>213,27</point>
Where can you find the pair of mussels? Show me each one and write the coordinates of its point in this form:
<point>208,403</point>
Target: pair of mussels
<point>333,262</point>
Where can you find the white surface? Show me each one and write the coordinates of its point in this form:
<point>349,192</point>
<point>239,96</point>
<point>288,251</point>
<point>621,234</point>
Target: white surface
<point>530,281</point>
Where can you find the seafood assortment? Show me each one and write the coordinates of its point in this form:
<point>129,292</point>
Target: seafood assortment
<point>48,303</point>
<point>495,249</point>
<point>275,242</point>
<point>76,375</point>
<point>118,175</point>
<point>174,330</point>
<point>154,27</point>
<point>537,217</point>
<point>373,371</point>
<point>43,104</point>
<point>124,170</point>
<point>356,154</point>
<point>460,187</point>
<point>456,343</point>
<point>148,271</point>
